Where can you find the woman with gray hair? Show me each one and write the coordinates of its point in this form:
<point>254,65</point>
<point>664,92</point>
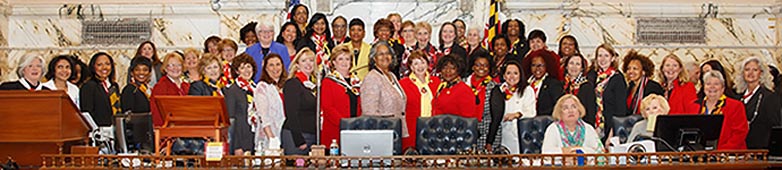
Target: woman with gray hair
<point>381,94</point>
<point>474,37</point>
<point>30,70</point>
<point>754,84</point>
<point>715,102</point>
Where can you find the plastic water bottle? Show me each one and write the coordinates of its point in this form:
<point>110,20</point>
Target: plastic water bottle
<point>580,158</point>
<point>334,148</point>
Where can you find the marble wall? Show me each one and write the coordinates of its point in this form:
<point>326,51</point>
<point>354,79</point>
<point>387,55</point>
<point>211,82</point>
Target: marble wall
<point>735,32</point>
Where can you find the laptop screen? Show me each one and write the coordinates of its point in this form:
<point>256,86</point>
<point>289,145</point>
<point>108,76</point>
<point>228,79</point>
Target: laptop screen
<point>367,142</point>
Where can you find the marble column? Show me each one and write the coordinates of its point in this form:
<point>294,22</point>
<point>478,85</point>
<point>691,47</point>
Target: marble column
<point>778,31</point>
<point>5,10</point>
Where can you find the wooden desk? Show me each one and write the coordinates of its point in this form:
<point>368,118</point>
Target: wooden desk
<point>190,116</point>
<point>35,123</point>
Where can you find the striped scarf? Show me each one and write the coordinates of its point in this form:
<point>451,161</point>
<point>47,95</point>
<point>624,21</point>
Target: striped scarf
<point>602,79</point>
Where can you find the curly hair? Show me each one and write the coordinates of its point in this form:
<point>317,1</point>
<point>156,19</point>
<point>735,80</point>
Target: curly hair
<point>549,57</point>
<point>646,65</point>
<point>243,58</point>
<point>451,59</point>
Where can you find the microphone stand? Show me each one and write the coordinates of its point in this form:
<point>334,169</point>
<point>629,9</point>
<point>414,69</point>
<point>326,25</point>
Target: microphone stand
<point>319,78</point>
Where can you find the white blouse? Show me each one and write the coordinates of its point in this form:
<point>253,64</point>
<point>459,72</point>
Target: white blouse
<point>552,141</point>
<point>510,130</point>
<point>73,90</point>
<point>269,106</point>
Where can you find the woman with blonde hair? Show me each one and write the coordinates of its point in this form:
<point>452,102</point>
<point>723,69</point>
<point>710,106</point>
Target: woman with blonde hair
<point>651,106</point>
<point>754,84</point>
<point>675,81</point>
<point>298,131</point>
<point>339,94</point>
<point>568,133</point>
<point>171,84</point>
<point>191,56</point>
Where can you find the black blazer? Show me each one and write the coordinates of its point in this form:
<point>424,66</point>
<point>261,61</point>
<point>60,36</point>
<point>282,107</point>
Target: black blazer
<point>300,110</point>
<point>768,110</point>
<point>16,85</point>
<point>652,87</point>
<point>95,100</point>
<point>497,109</point>
<point>236,105</point>
<point>614,100</point>
<point>134,100</point>
<point>399,52</point>
<point>200,88</point>
<point>548,94</point>
<point>586,94</point>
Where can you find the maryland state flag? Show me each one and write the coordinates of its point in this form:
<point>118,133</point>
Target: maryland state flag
<point>493,24</point>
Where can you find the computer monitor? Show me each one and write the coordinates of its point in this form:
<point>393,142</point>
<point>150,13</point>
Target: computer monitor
<point>688,132</point>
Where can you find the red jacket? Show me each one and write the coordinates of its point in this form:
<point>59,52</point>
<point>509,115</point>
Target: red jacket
<point>734,125</point>
<point>681,96</point>
<point>165,87</point>
<point>335,105</point>
<point>457,99</point>
<point>413,108</point>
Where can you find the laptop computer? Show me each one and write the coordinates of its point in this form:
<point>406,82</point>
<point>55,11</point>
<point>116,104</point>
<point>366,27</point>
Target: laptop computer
<point>367,143</point>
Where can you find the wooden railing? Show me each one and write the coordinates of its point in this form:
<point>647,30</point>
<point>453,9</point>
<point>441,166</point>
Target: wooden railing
<point>751,159</point>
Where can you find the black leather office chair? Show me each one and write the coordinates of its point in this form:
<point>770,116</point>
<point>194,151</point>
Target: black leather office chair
<point>376,123</point>
<point>446,134</point>
<point>624,125</point>
<point>531,133</point>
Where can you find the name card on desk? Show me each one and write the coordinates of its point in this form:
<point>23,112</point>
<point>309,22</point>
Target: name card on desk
<point>214,151</point>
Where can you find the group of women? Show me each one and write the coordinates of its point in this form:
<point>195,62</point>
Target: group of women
<point>272,89</point>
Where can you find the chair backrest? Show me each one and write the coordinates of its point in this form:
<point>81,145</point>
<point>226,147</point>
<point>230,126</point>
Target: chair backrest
<point>376,123</point>
<point>446,134</point>
<point>531,133</point>
<point>624,125</point>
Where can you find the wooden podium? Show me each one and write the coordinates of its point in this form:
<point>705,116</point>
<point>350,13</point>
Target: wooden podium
<point>190,116</point>
<point>35,123</point>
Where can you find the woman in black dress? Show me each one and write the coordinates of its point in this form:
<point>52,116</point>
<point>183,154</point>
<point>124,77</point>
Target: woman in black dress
<point>100,95</point>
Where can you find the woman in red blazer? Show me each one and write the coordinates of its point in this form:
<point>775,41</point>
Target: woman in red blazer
<point>734,125</point>
<point>678,90</point>
<point>419,88</point>
<point>339,94</point>
<point>171,84</point>
<point>453,96</point>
